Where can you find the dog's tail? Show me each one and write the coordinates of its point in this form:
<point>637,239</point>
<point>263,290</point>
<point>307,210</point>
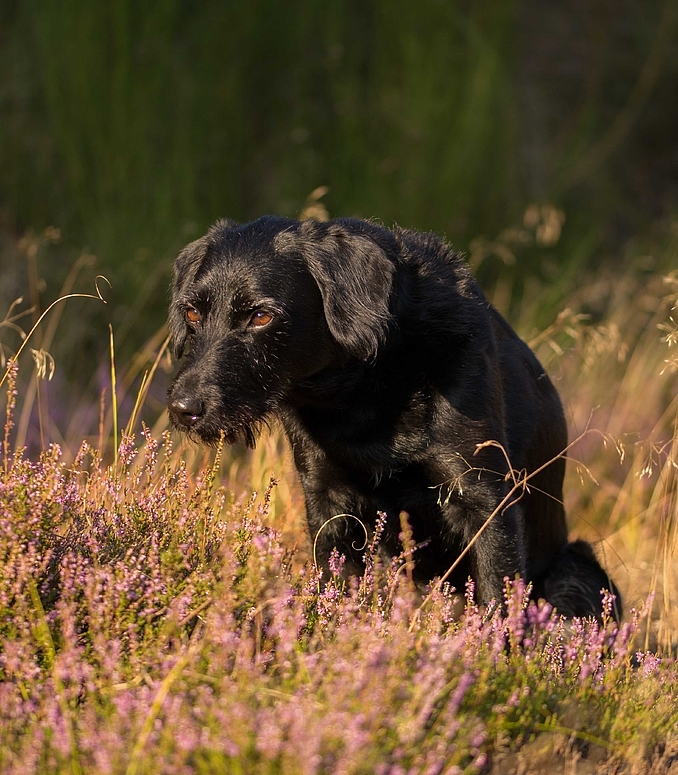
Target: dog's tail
<point>574,582</point>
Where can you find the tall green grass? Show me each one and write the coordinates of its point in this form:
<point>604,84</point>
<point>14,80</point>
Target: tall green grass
<point>132,126</point>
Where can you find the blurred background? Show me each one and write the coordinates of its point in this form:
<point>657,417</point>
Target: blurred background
<point>131,126</point>
<point>540,138</point>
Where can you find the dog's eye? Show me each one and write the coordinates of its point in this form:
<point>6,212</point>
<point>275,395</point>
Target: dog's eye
<point>260,319</point>
<point>193,316</point>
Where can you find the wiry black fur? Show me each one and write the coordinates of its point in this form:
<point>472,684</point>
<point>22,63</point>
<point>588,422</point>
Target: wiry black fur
<point>388,367</point>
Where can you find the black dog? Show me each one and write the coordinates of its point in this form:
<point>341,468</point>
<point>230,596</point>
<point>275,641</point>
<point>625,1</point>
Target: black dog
<point>388,368</point>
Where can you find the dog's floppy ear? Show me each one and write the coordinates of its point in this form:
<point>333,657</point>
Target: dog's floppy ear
<point>185,266</point>
<point>354,276</point>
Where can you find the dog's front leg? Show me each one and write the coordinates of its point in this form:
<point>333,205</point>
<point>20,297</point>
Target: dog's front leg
<point>497,551</point>
<point>481,511</point>
<point>334,510</point>
<point>335,521</point>
<point>490,528</point>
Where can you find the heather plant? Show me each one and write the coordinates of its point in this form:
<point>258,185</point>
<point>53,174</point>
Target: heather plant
<point>151,622</point>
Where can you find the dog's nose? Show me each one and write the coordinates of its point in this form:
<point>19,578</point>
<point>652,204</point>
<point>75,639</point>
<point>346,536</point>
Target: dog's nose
<point>186,410</point>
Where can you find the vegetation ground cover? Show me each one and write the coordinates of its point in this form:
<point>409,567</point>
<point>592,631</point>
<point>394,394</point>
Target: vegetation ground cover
<point>158,615</point>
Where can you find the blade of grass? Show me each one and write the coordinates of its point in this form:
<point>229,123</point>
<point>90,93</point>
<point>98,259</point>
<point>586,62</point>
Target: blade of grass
<point>114,399</point>
<point>143,390</point>
<point>33,387</point>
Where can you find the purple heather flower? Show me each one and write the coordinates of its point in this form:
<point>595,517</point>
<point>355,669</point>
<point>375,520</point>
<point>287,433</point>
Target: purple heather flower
<point>269,734</point>
<point>648,662</point>
<point>336,562</point>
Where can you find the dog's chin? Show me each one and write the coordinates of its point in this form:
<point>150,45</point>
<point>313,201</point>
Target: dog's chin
<point>212,433</point>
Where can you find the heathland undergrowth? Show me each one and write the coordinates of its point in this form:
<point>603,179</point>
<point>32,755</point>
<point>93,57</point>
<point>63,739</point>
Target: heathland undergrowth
<point>152,621</point>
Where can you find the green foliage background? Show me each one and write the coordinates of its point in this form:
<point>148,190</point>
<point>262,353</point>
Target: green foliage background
<point>131,126</point>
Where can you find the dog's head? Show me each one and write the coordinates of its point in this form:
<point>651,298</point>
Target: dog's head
<point>258,308</point>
